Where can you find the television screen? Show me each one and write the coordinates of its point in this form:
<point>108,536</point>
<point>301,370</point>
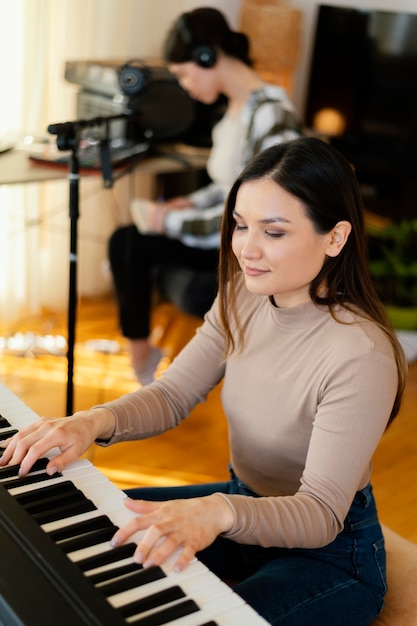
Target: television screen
<point>362,93</point>
<point>364,67</point>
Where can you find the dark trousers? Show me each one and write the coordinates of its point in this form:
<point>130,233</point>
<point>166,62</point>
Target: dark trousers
<point>341,584</point>
<point>187,276</point>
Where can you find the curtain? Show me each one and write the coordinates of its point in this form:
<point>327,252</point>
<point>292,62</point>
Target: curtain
<point>18,206</point>
<point>37,37</point>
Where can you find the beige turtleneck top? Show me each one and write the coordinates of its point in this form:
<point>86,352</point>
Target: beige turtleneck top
<point>307,401</point>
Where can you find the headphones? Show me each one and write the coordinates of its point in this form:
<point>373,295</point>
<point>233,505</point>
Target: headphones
<point>135,78</point>
<point>204,55</point>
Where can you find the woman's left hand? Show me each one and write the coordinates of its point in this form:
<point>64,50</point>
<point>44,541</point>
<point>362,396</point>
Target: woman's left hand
<point>190,525</point>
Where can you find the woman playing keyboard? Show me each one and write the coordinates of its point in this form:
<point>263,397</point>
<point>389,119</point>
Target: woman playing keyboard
<point>312,376</point>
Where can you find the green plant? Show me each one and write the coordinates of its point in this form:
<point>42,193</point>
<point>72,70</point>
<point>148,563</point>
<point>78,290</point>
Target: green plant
<point>393,262</point>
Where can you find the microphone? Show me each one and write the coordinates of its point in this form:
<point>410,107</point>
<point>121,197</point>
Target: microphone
<point>64,128</point>
<point>135,78</point>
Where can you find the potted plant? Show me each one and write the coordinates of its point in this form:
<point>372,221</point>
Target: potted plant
<point>393,265</point>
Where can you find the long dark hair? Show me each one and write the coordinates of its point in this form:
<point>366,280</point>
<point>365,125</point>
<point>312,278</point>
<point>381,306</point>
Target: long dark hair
<point>324,181</point>
<point>204,27</point>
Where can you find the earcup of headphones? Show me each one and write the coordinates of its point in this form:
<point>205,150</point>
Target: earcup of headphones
<point>204,56</point>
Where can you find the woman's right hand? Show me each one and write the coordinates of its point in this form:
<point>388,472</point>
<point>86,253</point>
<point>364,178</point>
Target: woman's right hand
<point>156,212</point>
<point>73,435</point>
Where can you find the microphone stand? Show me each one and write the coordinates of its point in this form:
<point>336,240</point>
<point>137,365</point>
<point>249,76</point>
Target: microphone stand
<point>68,138</point>
<point>74,179</point>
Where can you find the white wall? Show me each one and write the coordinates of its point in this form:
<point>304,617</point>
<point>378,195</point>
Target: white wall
<point>107,29</point>
<point>310,10</point>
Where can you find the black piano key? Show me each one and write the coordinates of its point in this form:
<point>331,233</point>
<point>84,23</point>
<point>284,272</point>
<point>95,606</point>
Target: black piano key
<point>152,601</point>
<point>106,558</point>
<point>30,479</point>
<point>86,526</point>
<point>143,577</point>
<point>44,492</point>
<point>114,572</point>
<point>12,470</point>
<point>8,433</point>
<point>62,512</point>
<point>168,615</point>
<point>4,423</point>
<point>89,539</point>
<point>54,502</point>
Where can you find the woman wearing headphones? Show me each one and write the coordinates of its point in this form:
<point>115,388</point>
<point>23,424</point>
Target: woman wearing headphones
<point>209,59</point>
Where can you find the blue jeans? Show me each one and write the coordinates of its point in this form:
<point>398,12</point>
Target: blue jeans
<point>342,584</point>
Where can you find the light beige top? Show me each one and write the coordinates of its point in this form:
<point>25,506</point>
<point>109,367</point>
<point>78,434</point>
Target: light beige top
<point>307,401</point>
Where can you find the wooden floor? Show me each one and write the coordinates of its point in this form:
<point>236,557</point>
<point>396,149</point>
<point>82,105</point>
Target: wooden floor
<point>196,451</point>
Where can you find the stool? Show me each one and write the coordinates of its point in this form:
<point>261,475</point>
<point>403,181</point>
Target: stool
<point>190,290</point>
<point>401,599</point>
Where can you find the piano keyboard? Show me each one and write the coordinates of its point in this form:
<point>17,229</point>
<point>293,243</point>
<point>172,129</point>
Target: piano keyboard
<point>57,563</point>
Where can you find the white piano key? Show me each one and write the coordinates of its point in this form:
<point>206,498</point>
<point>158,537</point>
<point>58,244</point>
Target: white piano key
<point>200,588</point>
<point>6,429</point>
<point>110,507</point>
<point>85,553</point>
<point>194,576</point>
<point>67,521</point>
<point>221,602</point>
<point>108,568</point>
<point>38,472</point>
<point>240,615</point>
<point>80,479</point>
<point>226,611</point>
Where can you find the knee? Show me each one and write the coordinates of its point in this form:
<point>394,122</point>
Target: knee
<point>191,291</point>
<point>200,294</point>
<point>122,247</point>
<point>118,241</point>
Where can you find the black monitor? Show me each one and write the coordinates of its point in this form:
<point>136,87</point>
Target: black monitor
<point>362,94</point>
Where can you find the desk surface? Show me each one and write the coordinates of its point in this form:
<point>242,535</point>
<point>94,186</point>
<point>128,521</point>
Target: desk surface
<point>17,168</point>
